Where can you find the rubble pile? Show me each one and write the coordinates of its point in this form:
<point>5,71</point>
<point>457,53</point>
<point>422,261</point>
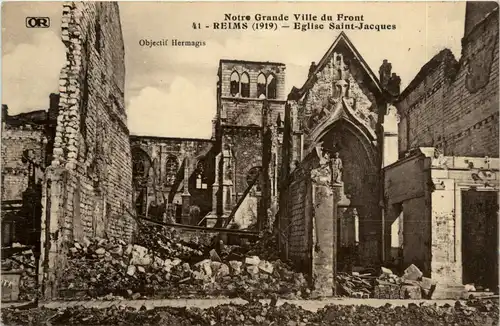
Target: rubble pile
<point>412,285</point>
<point>98,267</point>
<point>167,242</point>
<point>255,313</point>
<point>355,285</point>
<point>266,248</point>
<point>23,263</point>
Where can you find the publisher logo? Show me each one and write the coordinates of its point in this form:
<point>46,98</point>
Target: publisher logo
<point>37,22</point>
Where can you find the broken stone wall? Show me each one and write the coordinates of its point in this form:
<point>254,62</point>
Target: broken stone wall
<point>306,225</point>
<point>455,105</point>
<point>21,133</point>
<point>417,234</point>
<point>92,136</point>
<point>164,159</point>
<point>89,184</point>
<point>445,267</point>
<point>407,186</point>
<point>296,221</point>
<point>15,173</point>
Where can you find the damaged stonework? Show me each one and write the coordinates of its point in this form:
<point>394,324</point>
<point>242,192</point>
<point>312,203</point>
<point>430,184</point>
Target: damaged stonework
<point>342,108</point>
<point>88,186</point>
<point>449,209</point>
<point>453,104</point>
<point>308,225</point>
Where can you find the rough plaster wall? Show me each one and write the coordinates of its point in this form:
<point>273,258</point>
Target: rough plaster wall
<point>458,110</point>
<point>92,139</point>
<point>417,234</point>
<point>14,172</point>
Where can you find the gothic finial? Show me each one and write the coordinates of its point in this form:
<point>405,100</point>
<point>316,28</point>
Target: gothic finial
<point>312,68</point>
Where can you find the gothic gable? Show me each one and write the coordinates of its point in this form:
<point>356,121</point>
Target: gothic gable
<point>341,86</point>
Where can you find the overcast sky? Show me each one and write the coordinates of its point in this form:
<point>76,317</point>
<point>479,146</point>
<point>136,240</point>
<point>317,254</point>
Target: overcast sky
<point>171,91</point>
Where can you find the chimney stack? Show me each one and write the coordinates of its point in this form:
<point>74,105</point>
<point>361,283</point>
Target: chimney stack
<point>393,87</point>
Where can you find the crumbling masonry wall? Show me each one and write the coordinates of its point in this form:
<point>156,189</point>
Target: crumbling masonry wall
<point>14,171</point>
<point>89,184</point>
<point>454,105</point>
<point>20,133</point>
<point>306,225</point>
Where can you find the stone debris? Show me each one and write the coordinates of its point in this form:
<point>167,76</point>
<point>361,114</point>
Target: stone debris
<point>355,286</point>
<point>386,285</point>
<point>159,267</point>
<point>23,263</point>
<point>412,273</point>
<point>475,312</point>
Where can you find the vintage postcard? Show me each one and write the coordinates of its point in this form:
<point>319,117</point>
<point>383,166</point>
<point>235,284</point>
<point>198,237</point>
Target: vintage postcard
<point>250,163</point>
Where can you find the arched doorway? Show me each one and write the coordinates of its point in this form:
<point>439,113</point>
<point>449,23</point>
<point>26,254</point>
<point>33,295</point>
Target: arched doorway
<point>359,212</point>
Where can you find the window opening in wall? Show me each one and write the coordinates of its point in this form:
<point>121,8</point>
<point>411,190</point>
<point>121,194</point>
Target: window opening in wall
<point>235,84</point>
<point>171,168</point>
<point>245,85</point>
<point>271,87</point>
<point>261,86</point>
<point>200,176</point>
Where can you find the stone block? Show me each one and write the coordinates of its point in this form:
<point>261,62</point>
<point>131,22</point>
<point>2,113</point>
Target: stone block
<point>410,292</point>
<point>412,273</point>
<point>254,260</point>
<point>387,291</point>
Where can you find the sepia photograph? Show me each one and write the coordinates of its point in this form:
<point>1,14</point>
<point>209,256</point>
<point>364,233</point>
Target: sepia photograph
<point>249,163</point>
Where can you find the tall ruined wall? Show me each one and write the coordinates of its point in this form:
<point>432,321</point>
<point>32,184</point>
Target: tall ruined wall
<point>455,105</point>
<point>89,183</point>
<point>92,138</point>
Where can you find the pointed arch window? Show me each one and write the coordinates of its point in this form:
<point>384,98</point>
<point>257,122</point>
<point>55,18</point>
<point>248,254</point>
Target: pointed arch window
<point>261,86</point>
<point>235,84</point>
<point>271,87</point>
<point>245,85</point>
<point>200,176</point>
<point>171,168</point>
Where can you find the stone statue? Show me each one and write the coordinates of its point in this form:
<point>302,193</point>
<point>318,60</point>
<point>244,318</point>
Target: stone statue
<point>336,164</point>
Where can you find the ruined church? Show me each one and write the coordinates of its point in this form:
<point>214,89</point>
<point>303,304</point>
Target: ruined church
<point>347,169</point>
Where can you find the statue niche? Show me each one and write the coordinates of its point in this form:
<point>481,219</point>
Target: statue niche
<point>330,168</point>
